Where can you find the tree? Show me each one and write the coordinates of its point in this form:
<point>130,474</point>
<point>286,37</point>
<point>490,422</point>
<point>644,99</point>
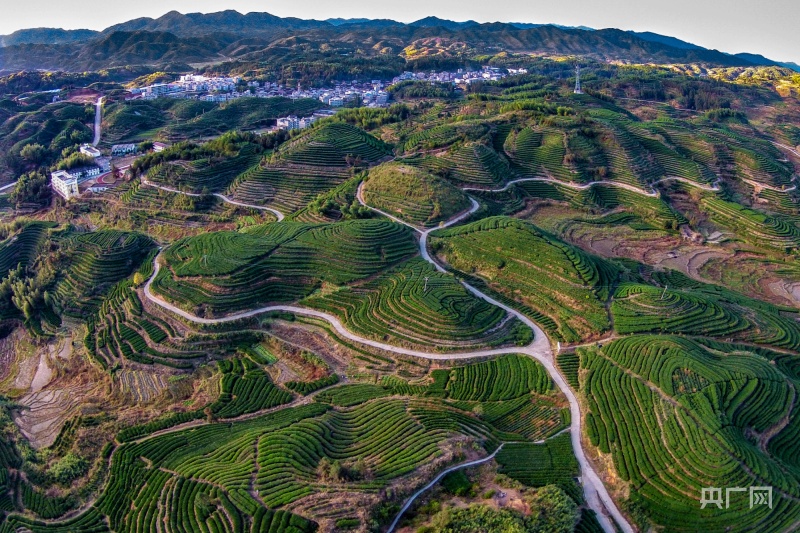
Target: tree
<point>75,160</point>
<point>551,510</point>
<point>31,188</point>
<point>35,153</point>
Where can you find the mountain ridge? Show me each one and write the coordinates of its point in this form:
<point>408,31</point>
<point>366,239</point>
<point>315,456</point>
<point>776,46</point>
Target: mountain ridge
<point>205,38</point>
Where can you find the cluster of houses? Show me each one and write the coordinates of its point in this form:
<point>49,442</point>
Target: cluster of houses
<point>372,94</point>
<point>186,86</point>
<point>343,94</point>
<point>461,76</point>
<point>70,183</point>
<point>209,89</point>
<point>225,89</point>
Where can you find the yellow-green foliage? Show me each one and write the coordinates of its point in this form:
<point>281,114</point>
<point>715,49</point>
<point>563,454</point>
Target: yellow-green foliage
<point>413,194</point>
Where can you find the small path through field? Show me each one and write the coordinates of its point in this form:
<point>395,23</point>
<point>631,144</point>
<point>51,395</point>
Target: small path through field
<point>222,197</point>
<point>597,496</point>
<point>435,480</point>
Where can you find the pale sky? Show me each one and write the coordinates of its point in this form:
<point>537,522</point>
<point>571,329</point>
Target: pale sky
<point>767,27</point>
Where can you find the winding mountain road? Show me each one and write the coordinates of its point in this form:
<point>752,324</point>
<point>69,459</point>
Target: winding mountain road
<point>98,120</point>
<point>435,480</point>
<point>794,151</point>
<point>583,186</point>
<point>222,197</point>
<point>579,186</point>
<point>597,497</point>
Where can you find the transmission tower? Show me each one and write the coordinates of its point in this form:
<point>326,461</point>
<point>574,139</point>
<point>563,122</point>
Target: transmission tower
<point>578,89</point>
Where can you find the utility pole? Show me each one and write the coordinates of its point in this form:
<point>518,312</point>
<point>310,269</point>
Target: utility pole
<point>578,89</point>
<point>426,285</point>
<point>665,291</point>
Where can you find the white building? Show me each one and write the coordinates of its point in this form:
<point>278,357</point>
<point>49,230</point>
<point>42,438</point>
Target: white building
<point>293,123</point>
<point>123,149</point>
<point>91,151</point>
<point>289,123</point>
<point>159,147</point>
<point>159,89</point>
<point>336,101</point>
<point>306,122</point>
<point>84,173</point>
<point>65,184</point>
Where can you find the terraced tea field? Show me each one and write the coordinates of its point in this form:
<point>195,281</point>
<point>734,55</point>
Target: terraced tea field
<point>561,287</point>
<point>249,471</point>
<point>471,164</point>
<point>222,272</point>
<point>96,261</point>
<point>334,144</point>
<point>642,309</point>
<point>753,226</point>
<point>204,174</point>
<point>287,188</point>
<point>667,447</point>
<point>413,195</point>
<point>417,305</point>
<point>22,247</point>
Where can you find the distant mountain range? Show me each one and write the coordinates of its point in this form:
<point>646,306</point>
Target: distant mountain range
<point>46,36</point>
<point>197,38</point>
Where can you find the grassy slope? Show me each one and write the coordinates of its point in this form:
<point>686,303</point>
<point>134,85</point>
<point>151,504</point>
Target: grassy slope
<point>413,195</point>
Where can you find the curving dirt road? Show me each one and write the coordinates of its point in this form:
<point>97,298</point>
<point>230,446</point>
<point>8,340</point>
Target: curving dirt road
<point>222,197</point>
<point>436,480</point>
<point>713,188</point>
<point>578,186</point>
<point>637,190</point>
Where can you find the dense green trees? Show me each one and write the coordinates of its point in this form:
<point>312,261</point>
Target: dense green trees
<point>552,511</point>
<point>31,188</point>
<point>35,153</point>
<point>418,89</point>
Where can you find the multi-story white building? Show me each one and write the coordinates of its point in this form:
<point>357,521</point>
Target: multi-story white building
<point>289,123</point>
<point>307,121</point>
<point>159,89</point>
<point>91,151</point>
<point>65,184</point>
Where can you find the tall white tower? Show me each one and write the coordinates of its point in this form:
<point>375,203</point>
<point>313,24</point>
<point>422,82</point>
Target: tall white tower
<point>578,89</point>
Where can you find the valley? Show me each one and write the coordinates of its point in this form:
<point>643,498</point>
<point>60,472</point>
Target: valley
<point>500,305</point>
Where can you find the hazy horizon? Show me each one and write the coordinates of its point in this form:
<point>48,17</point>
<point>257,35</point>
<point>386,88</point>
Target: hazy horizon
<point>738,26</point>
